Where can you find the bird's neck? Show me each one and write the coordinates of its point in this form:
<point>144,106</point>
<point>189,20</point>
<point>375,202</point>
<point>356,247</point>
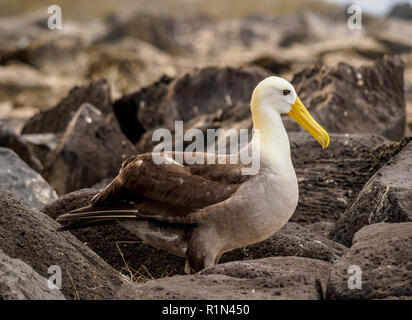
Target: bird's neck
<point>274,141</point>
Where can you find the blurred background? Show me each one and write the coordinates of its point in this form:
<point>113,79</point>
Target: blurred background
<point>65,131</point>
<point>134,43</point>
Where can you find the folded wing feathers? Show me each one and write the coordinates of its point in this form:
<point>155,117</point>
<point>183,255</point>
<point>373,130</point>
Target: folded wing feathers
<point>184,189</point>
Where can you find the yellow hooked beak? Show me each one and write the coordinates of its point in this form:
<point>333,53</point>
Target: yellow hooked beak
<point>301,115</point>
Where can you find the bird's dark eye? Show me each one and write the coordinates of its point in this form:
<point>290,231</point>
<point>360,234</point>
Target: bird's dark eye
<point>286,92</point>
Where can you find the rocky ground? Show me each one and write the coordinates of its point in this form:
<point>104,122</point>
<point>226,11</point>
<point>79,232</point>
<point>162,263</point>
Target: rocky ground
<point>75,103</point>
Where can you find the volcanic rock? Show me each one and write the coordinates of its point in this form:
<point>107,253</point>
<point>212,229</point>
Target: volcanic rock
<point>291,240</point>
<point>387,197</point>
<point>32,237</point>
<point>329,180</point>
<point>186,97</point>
<point>90,150</point>
<point>18,281</point>
<point>41,143</point>
<point>28,185</point>
<point>56,119</point>
<point>14,142</point>
<point>344,99</point>
<point>275,278</point>
<point>379,264</point>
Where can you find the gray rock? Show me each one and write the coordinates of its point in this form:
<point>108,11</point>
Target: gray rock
<point>11,140</point>
<point>321,228</point>
<point>291,240</point>
<point>387,197</point>
<point>28,185</point>
<point>345,99</point>
<point>383,253</point>
<point>18,281</point>
<point>90,150</point>
<point>12,123</point>
<point>32,237</point>
<point>276,278</point>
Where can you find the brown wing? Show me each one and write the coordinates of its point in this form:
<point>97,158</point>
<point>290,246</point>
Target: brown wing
<point>167,191</point>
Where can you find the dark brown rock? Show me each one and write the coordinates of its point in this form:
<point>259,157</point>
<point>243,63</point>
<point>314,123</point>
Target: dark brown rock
<point>203,122</point>
<point>90,150</point>
<point>68,202</point>
<point>41,143</point>
<point>387,197</point>
<point>344,99</point>
<point>56,119</point>
<point>329,180</point>
<point>127,108</point>
<point>383,253</point>
<point>31,236</point>
<point>186,97</point>
<point>275,278</point>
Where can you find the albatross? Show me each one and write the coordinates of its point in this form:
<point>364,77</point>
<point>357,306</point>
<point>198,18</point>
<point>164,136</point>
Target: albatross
<point>200,211</point>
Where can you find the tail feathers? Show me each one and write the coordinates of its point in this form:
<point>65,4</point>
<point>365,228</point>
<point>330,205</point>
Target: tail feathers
<point>105,214</point>
<point>86,224</point>
<point>91,216</point>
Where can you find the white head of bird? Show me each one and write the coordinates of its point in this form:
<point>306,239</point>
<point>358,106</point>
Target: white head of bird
<point>272,97</point>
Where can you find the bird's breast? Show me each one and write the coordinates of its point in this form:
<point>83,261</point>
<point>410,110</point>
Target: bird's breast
<point>260,208</point>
